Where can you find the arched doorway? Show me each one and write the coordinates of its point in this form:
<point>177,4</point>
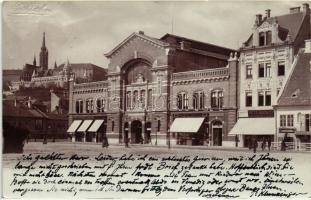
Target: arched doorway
<point>148,133</point>
<point>136,131</point>
<point>217,133</point>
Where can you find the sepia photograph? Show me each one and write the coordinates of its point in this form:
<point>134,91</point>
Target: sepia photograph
<point>156,100</point>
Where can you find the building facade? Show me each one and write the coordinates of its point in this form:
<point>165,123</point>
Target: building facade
<point>293,109</point>
<point>150,83</point>
<point>265,61</point>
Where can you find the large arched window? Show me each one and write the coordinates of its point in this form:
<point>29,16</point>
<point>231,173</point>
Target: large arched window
<point>217,100</point>
<point>137,71</point>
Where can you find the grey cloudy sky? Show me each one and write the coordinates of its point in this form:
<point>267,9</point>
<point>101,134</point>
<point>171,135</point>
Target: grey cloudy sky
<point>84,31</point>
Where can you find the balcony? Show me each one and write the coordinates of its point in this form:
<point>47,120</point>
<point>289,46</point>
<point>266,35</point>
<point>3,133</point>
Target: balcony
<point>202,74</point>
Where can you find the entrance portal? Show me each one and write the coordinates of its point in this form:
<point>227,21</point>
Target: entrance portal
<point>217,133</point>
<point>136,131</point>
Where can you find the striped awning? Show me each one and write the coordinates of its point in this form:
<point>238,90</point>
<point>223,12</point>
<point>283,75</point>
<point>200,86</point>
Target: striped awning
<point>74,126</point>
<point>96,125</point>
<point>85,125</point>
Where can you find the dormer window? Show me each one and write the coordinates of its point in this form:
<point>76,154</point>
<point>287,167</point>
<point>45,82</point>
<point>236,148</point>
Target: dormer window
<point>265,38</point>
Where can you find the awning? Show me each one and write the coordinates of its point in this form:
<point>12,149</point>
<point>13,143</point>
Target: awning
<point>96,125</point>
<point>85,125</point>
<point>254,126</point>
<point>186,125</point>
<point>74,125</point>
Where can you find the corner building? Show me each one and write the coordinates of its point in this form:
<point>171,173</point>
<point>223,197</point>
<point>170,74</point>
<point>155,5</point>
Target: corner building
<point>266,58</point>
<point>153,84</point>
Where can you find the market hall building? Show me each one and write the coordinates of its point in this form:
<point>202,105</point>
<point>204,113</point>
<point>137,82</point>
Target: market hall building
<point>266,59</point>
<point>166,91</point>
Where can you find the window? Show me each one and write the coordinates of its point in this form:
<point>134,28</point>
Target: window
<point>260,99</point>
<point>112,126</point>
<point>268,37</point>
<point>265,38</point>
<point>128,100</point>
<point>149,98</point>
<point>282,120</point>
<point>89,106</point>
<point>249,73</point>
<point>182,100</point>
<point>268,70</point>
<point>38,124</point>
<point>198,100</point>
<point>100,105</point>
<point>248,99</point>
<point>142,98</point>
<point>217,99</point>
<point>135,99</point>
<point>281,68</point>
<point>308,121</point>
<point>79,106</point>
<point>290,120</point>
<point>261,39</point>
<point>159,125</point>
<point>264,98</point>
<point>261,70</point>
<point>268,98</point>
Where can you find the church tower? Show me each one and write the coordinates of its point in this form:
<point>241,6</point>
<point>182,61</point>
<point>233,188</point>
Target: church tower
<point>34,60</point>
<point>44,55</point>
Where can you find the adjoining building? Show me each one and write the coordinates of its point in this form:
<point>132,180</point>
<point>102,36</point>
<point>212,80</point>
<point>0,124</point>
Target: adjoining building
<point>266,59</point>
<point>153,84</point>
<point>293,109</point>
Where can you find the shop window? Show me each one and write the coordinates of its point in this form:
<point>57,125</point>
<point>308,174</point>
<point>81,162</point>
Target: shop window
<point>281,68</point>
<point>38,124</point>
<point>248,99</point>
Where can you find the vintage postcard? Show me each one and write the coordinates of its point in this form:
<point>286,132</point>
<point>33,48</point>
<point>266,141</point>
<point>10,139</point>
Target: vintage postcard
<point>162,99</point>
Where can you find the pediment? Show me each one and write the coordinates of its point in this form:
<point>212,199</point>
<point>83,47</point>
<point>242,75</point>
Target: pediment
<point>265,25</point>
<point>133,37</point>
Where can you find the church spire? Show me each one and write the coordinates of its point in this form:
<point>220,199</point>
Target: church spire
<point>34,60</point>
<point>44,54</point>
<point>55,65</point>
<point>43,41</point>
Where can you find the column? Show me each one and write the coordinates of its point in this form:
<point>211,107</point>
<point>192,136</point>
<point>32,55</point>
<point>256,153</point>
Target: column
<point>143,131</point>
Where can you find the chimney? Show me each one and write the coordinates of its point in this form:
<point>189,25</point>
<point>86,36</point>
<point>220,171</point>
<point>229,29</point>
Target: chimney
<point>294,10</point>
<point>305,8</point>
<point>308,46</point>
<point>141,32</point>
<point>258,19</point>
<point>268,13</point>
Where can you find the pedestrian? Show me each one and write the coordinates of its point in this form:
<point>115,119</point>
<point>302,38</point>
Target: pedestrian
<point>236,140</point>
<point>263,145</point>
<point>249,143</point>
<point>126,142</point>
<point>269,143</point>
<point>283,145</point>
<point>255,145</point>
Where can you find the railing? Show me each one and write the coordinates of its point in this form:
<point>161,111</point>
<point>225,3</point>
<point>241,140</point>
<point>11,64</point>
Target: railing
<point>201,73</point>
<point>291,146</point>
<point>304,146</point>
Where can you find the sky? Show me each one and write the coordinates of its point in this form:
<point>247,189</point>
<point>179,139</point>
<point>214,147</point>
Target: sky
<point>85,31</point>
